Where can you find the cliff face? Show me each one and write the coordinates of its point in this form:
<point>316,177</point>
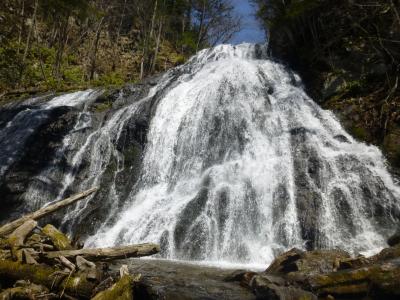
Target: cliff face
<point>348,54</point>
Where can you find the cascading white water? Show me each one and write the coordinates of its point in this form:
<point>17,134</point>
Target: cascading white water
<point>240,164</point>
<point>225,160</point>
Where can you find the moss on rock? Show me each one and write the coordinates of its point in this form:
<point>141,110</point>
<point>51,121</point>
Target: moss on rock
<point>122,290</point>
<point>60,240</point>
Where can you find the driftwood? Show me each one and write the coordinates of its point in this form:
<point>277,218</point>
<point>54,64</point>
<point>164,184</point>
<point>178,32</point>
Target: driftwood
<point>63,273</point>
<point>10,227</point>
<point>28,258</point>
<point>67,263</point>
<point>106,253</point>
<point>87,267</point>
<point>75,285</point>
<point>27,291</point>
<point>123,289</point>
<point>18,236</point>
<point>123,271</point>
<point>59,239</point>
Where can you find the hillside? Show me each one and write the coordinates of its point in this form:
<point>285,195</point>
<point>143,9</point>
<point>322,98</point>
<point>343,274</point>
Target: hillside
<point>348,54</point>
<point>63,44</point>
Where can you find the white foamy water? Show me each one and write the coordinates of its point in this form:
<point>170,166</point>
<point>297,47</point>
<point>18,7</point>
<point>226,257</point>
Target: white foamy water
<point>241,164</point>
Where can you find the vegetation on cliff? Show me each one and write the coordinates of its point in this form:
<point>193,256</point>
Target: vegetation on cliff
<point>348,53</point>
<point>61,44</point>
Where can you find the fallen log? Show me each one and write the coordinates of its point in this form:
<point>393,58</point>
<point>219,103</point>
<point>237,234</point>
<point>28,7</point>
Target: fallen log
<point>10,227</point>
<point>60,240</point>
<point>18,236</point>
<point>123,289</point>
<point>75,285</point>
<point>106,253</point>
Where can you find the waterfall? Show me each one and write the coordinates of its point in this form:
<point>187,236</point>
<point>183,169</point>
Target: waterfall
<point>237,165</point>
<point>240,164</point>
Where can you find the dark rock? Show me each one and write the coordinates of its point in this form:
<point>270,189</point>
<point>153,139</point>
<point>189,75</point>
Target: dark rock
<point>378,281</point>
<point>388,253</point>
<point>274,288</point>
<point>37,150</point>
<point>242,276</point>
<point>305,263</point>
<point>394,239</point>
<point>285,263</point>
<point>181,281</point>
<point>342,138</point>
<point>353,263</point>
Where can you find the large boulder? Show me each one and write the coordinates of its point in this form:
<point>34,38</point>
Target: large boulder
<point>305,263</point>
<point>378,281</point>
<point>275,288</point>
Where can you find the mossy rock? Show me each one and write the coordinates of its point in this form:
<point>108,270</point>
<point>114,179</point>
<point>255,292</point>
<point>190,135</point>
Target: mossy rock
<point>379,280</point>
<point>75,285</point>
<point>59,240</point>
<point>102,107</point>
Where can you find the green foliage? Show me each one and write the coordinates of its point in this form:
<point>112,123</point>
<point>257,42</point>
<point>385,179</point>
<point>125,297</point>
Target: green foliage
<point>67,44</point>
<point>10,65</point>
<point>359,133</point>
<point>276,13</point>
<point>110,79</point>
<point>188,41</point>
<point>101,107</point>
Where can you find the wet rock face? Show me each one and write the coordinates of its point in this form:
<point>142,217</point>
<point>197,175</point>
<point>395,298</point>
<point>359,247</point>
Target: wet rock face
<point>168,280</point>
<point>37,151</point>
<point>275,288</point>
<point>308,167</point>
<point>306,263</point>
<point>44,148</point>
<point>329,274</point>
<point>394,239</point>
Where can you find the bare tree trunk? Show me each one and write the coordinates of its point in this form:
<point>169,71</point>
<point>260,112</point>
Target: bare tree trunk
<point>117,37</point>
<point>36,34</point>
<point>27,46</point>
<point>153,19</point>
<point>76,285</point>
<point>203,12</point>
<point>9,227</point>
<point>157,46</point>
<point>145,65</point>
<point>22,25</point>
<point>60,50</point>
<point>101,254</point>
<point>95,47</point>
<point>28,41</point>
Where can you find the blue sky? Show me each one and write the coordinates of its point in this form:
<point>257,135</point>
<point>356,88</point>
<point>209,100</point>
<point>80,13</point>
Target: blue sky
<point>251,31</point>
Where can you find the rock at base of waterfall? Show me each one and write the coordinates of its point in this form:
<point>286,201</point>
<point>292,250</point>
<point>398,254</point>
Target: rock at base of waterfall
<point>306,263</point>
<point>274,288</point>
<point>394,239</point>
<point>328,274</point>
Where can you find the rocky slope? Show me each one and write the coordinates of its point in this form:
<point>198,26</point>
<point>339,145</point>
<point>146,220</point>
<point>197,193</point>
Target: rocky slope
<point>45,139</point>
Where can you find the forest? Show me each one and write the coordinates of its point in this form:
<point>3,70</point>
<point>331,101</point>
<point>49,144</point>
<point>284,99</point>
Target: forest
<point>71,44</point>
<point>348,55</point>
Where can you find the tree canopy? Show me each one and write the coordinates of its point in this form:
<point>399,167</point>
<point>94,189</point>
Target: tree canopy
<point>56,43</point>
